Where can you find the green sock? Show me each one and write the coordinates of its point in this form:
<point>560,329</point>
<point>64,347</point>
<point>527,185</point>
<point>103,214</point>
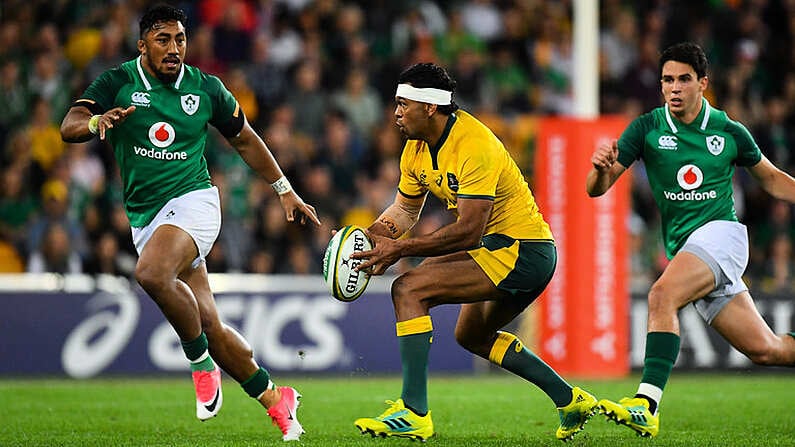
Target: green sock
<point>414,339</point>
<point>509,353</point>
<point>196,352</point>
<point>255,385</point>
<point>662,348</point>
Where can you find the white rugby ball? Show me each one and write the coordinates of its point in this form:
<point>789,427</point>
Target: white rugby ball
<point>345,283</point>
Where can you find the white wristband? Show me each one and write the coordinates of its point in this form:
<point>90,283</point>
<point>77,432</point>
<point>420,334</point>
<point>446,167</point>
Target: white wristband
<point>282,186</point>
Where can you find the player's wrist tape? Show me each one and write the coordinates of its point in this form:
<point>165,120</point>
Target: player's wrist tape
<point>93,124</point>
<point>282,186</point>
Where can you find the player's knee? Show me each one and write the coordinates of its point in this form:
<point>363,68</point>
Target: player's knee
<point>402,290</point>
<point>472,342</point>
<point>657,299</point>
<point>211,326</point>
<point>151,279</point>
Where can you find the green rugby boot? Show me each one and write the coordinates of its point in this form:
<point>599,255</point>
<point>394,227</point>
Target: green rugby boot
<point>575,415</point>
<point>634,413</point>
<point>398,421</point>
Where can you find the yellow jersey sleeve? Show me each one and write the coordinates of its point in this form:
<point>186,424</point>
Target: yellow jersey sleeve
<point>411,181</point>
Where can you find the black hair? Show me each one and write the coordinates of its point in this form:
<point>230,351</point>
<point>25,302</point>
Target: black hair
<point>687,53</point>
<point>428,75</point>
<point>158,13</point>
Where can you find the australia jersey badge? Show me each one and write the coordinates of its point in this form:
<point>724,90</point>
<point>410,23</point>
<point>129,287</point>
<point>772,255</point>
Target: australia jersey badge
<point>715,144</point>
<point>452,182</point>
<point>190,103</point>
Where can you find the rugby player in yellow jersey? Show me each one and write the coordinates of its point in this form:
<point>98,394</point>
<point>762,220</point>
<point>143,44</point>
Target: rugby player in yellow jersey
<point>494,260</point>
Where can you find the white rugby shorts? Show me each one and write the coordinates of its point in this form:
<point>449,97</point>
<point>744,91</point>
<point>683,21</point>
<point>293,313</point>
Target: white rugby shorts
<point>723,246</point>
<point>198,213</point>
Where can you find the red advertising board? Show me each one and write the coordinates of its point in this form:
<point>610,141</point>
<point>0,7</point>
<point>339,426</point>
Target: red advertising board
<point>584,313</point>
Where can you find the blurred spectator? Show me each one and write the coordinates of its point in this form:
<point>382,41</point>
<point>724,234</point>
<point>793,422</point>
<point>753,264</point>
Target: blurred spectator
<point>457,39</point>
<point>232,35</point>
<point>47,83</point>
<point>267,80</point>
<point>777,276</point>
<point>17,208</point>
<point>120,227</point>
<point>779,223</point>
<point>618,46</point>
<point>46,146</point>
<point>307,100</point>
<point>290,148</point>
<point>105,259</point>
<point>202,51</point>
<point>87,173</point>
<point>260,261</point>
<point>55,254</point>
<point>360,104</point>
<point>553,60</point>
<point>775,135</point>
<point>348,25</point>
<point>470,79</point>
<point>10,259</point>
<point>421,20</point>
<point>341,151</point>
<point>11,48</point>
<point>507,83</point>
<point>235,80</point>
<point>55,201</point>
<point>642,80</point>
<point>286,43</point>
<point>482,18</point>
<point>301,262</point>
<point>317,184</point>
<point>111,51</point>
<point>217,260</point>
<point>234,181</point>
<point>13,96</point>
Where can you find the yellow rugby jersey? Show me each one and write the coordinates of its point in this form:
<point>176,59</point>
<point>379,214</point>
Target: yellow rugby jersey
<point>471,162</point>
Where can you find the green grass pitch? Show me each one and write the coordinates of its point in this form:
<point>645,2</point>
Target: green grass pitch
<point>732,409</point>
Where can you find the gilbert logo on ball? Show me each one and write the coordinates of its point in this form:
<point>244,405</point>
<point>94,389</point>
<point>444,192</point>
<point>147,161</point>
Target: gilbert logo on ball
<point>345,283</point>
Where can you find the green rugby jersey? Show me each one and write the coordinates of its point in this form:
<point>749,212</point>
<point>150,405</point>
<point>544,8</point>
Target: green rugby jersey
<point>160,147</point>
<point>689,166</point>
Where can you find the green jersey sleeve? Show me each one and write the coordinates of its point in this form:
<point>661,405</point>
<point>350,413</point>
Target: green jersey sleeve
<point>227,116</point>
<point>633,139</point>
<point>100,96</point>
<point>748,152</point>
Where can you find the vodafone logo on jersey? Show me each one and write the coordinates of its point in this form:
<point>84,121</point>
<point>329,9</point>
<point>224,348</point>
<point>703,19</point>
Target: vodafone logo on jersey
<point>689,177</point>
<point>161,134</point>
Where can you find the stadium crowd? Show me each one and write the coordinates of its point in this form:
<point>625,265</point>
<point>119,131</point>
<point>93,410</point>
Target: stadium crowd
<point>316,78</point>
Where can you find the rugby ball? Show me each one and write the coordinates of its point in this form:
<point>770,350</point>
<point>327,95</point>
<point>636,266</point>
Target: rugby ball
<point>345,283</point>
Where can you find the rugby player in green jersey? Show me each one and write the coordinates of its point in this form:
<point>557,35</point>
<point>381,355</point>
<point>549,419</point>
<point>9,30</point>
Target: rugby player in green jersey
<point>494,260</point>
<point>690,150</point>
<point>154,111</point>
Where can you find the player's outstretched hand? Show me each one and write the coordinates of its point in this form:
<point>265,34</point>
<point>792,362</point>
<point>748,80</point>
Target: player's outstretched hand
<point>605,155</point>
<point>294,207</point>
<point>113,116</point>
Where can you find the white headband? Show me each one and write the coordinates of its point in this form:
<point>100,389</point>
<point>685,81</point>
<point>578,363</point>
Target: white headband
<point>429,95</point>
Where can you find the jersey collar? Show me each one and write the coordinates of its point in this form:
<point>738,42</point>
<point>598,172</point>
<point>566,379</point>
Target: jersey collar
<point>145,80</point>
<point>705,113</point>
<point>446,133</point>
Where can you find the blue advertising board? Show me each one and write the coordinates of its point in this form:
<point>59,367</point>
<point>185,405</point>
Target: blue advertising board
<point>83,327</point>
